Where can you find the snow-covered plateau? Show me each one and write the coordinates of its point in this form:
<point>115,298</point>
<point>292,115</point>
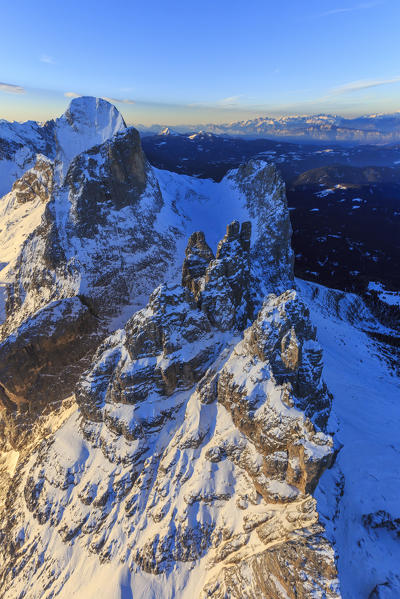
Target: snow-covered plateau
<point>179,416</point>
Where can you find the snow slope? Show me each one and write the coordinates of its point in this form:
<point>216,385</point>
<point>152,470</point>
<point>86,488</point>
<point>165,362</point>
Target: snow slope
<point>18,219</point>
<point>360,497</point>
<point>392,298</point>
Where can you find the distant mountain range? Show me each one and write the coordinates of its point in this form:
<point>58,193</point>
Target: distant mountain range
<point>371,129</point>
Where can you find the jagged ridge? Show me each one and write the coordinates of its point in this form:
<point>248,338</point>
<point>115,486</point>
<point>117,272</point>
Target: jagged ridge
<point>193,449</point>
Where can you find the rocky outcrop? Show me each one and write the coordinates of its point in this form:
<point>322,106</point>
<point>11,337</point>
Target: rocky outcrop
<point>104,227</point>
<point>87,122</point>
<point>95,246</point>
<point>196,450</point>
<point>226,291</point>
<point>289,446</point>
<point>285,570</point>
<point>37,357</point>
<point>198,255</point>
<point>36,182</point>
<point>221,286</point>
<point>109,177</point>
<point>290,346</point>
<point>271,252</point>
<point>80,246</point>
<point>173,463</point>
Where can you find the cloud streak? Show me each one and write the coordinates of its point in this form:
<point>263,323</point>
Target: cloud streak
<point>355,86</point>
<point>231,101</point>
<point>9,88</point>
<point>119,101</point>
<point>47,59</point>
<point>111,100</point>
<point>362,6</point>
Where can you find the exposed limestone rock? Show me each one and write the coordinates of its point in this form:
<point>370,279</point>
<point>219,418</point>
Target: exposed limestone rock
<point>111,176</point>
<point>221,286</point>
<point>151,363</point>
<point>300,568</point>
<point>226,290</point>
<point>283,334</point>
<point>35,358</point>
<point>36,182</point>
<point>191,449</point>
<point>200,432</point>
<point>105,227</point>
<point>271,229</point>
<point>198,255</point>
<point>295,452</point>
<point>82,251</point>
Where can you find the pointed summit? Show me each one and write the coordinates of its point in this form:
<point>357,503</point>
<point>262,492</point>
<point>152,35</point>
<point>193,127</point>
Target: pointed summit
<point>87,122</point>
<point>169,131</point>
<point>94,112</point>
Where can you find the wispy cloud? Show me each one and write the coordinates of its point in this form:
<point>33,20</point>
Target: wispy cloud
<point>361,6</point>
<point>231,101</point>
<point>9,88</point>
<point>112,100</point>
<point>355,86</point>
<point>119,101</point>
<point>47,59</point>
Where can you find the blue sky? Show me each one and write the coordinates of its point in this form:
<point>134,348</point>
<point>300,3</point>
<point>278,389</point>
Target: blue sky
<point>176,61</point>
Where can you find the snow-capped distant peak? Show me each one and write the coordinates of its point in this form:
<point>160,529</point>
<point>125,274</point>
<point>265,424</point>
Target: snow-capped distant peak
<point>201,135</point>
<point>87,122</point>
<point>168,131</point>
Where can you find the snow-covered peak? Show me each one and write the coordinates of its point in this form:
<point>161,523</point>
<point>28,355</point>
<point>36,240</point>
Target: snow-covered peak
<point>169,131</point>
<point>194,451</point>
<point>87,122</point>
<point>201,135</point>
<point>88,111</point>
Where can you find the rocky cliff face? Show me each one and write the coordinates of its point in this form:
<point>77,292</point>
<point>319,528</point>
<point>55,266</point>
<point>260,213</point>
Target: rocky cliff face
<point>103,229</point>
<point>87,231</point>
<point>40,362</point>
<point>178,456</point>
<point>182,455</point>
<point>199,441</point>
<point>89,239</point>
<point>86,123</point>
<point>19,145</point>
